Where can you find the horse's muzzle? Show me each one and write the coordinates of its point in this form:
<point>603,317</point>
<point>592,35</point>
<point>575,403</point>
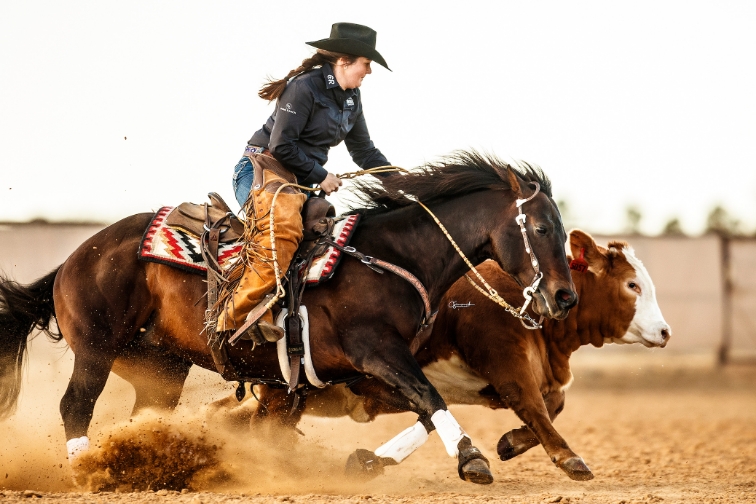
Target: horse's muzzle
<point>556,307</point>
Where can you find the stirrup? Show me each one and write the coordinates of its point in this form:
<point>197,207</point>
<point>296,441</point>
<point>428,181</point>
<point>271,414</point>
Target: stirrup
<point>252,318</point>
<point>261,332</point>
<point>251,333</point>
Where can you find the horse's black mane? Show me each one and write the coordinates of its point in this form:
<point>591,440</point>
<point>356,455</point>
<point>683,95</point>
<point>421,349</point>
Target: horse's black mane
<point>459,173</point>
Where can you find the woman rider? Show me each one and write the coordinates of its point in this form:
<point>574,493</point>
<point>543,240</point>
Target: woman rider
<point>318,105</point>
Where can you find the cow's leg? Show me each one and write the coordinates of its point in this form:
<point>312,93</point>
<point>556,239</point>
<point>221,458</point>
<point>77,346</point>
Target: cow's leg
<point>526,401</point>
<point>391,362</point>
<point>518,441</point>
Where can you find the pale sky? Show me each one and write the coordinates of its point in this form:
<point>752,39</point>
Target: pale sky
<point>113,108</point>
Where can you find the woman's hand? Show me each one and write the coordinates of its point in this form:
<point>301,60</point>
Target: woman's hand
<point>330,184</point>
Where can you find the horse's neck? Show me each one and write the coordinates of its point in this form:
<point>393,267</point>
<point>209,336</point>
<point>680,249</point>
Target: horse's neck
<point>414,241</point>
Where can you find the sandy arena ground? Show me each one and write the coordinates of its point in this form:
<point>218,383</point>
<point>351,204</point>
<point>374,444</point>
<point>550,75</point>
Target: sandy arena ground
<point>653,427</point>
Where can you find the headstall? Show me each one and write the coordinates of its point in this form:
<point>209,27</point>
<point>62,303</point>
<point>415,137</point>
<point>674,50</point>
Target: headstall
<point>525,319</point>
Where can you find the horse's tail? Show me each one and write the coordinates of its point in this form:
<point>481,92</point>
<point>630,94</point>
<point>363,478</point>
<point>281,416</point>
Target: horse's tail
<point>22,308</point>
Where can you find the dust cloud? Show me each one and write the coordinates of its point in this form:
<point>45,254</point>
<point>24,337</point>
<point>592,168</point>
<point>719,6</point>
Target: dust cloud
<point>194,447</point>
<point>650,425</point>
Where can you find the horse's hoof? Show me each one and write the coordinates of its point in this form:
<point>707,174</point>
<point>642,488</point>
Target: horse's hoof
<point>476,471</point>
<point>505,449</point>
<point>364,465</point>
<point>473,466</point>
<point>576,469</point>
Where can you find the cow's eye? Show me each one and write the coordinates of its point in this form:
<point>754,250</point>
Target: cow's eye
<point>634,287</point>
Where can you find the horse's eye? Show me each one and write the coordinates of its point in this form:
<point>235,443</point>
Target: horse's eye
<point>541,230</point>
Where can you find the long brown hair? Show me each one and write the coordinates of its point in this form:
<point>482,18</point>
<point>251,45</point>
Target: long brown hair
<point>273,88</point>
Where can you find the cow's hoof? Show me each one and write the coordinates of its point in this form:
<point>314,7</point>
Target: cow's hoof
<point>505,449</point>
<point>473,466</point>
<point>364,465</point>
<point>576,469</point>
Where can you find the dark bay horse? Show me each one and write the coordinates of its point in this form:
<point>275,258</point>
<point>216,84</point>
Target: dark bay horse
<point>479,355</point>
<point>121,314</point>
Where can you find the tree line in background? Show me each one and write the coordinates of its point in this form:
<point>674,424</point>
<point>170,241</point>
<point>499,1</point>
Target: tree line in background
<point>719,222</point>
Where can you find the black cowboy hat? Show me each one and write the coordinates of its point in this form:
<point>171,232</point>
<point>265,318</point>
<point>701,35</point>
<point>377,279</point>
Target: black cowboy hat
<point>353,39</point>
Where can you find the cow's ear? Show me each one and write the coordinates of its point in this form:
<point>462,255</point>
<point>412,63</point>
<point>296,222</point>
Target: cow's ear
<point>614,250</point>
<point>585,253</point>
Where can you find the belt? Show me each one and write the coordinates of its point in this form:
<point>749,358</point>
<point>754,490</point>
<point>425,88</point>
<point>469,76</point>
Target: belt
<point>253,149</point>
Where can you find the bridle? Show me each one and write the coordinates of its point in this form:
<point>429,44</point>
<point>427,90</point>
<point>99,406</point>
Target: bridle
<point>525,319</point>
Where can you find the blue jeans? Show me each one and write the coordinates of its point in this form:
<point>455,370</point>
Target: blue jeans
<point>244,175</point>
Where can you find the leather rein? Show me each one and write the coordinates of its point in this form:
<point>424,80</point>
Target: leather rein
<point>429,317</point>
<point>210,240</point>
<point>525,319</point>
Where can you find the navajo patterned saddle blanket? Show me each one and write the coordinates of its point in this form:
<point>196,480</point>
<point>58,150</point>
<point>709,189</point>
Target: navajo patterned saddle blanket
<point>180,248</point>
<point>177,247</point>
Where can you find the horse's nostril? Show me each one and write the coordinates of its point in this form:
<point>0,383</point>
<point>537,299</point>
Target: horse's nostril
<point>665,335</point>
<point>565,298</point>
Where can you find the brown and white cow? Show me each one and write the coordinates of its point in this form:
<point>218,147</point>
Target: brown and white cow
<point>481,355</point>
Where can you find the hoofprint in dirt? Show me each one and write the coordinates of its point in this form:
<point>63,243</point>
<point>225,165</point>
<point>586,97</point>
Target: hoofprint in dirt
<point>652,430</point>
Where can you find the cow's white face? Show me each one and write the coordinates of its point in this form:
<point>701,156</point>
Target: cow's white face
<point>648,326</point>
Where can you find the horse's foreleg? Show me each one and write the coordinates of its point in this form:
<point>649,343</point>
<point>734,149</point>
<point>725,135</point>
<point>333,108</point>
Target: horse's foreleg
<point>518,441</point>
<point>90,373</point>
<point>392,363</point>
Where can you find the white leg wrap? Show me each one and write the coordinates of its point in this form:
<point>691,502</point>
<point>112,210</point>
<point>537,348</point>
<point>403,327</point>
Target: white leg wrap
<point>448,430</point>
<point>403,445</point>
<point>76,447</point>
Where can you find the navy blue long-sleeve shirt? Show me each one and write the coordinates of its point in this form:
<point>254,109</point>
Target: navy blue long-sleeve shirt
<point>312,115</point>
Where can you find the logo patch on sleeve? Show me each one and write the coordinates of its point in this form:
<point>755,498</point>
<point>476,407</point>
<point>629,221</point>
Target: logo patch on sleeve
<point>288,109</point>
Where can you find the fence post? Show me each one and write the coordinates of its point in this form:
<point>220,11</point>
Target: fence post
<point>724,349</point>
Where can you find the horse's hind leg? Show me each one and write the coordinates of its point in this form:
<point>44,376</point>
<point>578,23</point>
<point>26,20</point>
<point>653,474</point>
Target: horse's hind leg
<point>158,378</point>
<point>91,370</point>
<point>101,297</point>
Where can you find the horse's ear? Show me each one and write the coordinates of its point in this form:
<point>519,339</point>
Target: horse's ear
<point>586,254</point>
<point>514,182</point>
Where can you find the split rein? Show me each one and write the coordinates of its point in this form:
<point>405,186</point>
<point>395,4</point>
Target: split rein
<point>525,319</point>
